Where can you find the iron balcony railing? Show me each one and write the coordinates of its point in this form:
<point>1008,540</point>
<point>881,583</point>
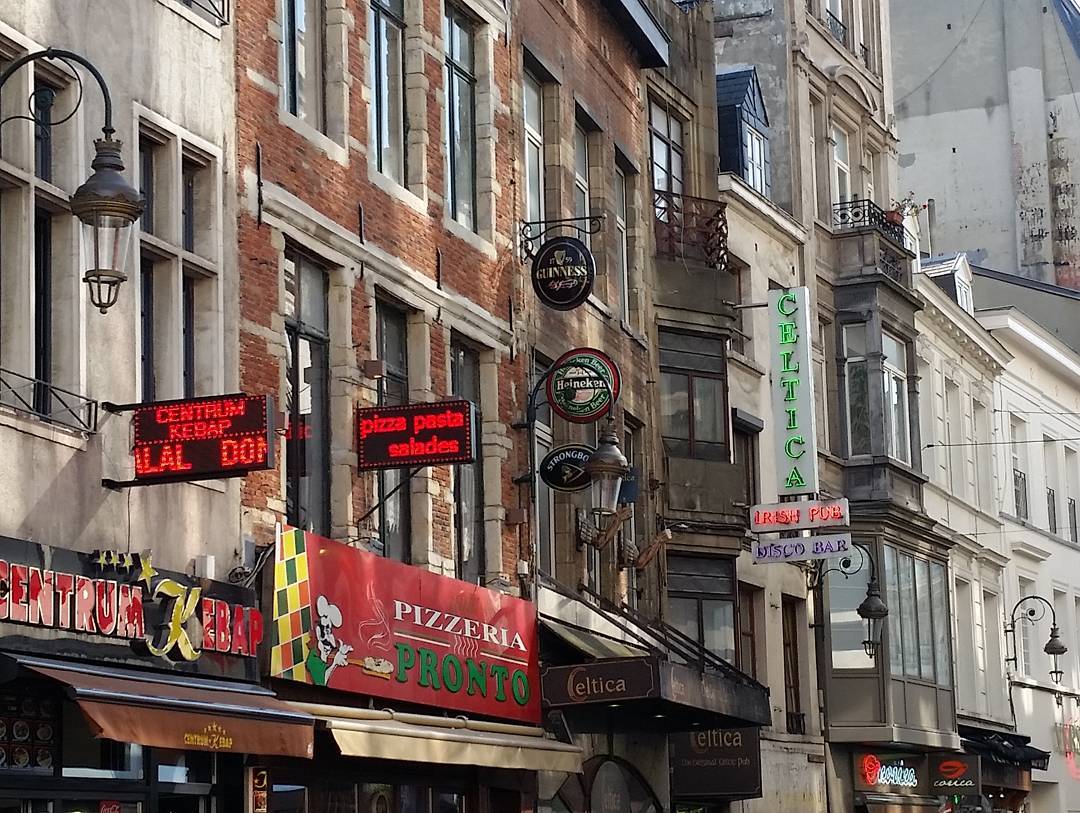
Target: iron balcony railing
<point>47,401</point>
<point>861,213</point>
<point>1020,493</point>
<point>836,27</point>
<point>1051,510</point>
<point>891,266</point>
<point>689,228</point>
<point>216,11</point>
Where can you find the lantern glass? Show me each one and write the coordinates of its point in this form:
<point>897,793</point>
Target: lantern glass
<point>608,485</point>
<point>106,241</point>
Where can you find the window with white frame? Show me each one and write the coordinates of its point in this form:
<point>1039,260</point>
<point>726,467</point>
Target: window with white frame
<point>1026,587</point>
<point>534,148</point>
<point>841,165</point>
<point>459,82</point>
<point>179,266</point>
<point>857,378</point>
<point>386,30</point>
<point>582,195</point>
<point>919,624</point>
<point>984,469</point>
<point>1018,437</point>
<point>755,146</point>
<point>303,61</point>
<point>622,243</point>
<point>894,372</point>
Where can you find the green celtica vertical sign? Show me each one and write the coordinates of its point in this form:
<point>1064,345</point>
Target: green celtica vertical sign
<point>794,426</point>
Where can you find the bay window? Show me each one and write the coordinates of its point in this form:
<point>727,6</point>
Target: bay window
<point>894,372</point>
<point>919,623</point>
<point>856,374</point>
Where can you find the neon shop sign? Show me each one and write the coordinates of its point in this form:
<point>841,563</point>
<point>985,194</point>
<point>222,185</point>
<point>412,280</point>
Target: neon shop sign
<point>793,392</point>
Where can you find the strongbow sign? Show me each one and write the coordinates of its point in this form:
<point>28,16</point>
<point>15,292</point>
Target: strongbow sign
<point>801,549</point>
<point>563,469</point>
<point>563,273</point>
<point>582,385</point>
<point>357,622</point>
<point>959,774</point>
<point>793,392</point>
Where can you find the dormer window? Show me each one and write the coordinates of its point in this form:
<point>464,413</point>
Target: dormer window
<point>743,127</point>
<point>952,273</point>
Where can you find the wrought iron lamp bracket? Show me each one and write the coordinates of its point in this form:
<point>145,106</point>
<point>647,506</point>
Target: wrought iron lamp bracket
<point>847,566</point>
<point>1032,615</point>
<point>532,231</point>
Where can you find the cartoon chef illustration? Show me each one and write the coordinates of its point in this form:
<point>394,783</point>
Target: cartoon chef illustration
<point>328,653</point>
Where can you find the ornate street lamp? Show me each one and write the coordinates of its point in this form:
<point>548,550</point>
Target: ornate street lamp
<point>607,466</point>
<point>1054,646</point>
<point>873,609</point>
<point>106,204</point>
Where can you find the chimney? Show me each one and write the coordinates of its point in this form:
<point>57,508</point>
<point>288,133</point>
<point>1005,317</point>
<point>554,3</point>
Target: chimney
<point>931,222</point>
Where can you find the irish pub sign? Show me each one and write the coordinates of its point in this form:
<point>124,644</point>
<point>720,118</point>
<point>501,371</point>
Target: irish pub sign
<point>795,431</point>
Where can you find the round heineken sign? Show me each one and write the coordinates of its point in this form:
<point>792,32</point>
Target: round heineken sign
<point>563,469</point>
<point>563,273</point>
<point>582,385</point>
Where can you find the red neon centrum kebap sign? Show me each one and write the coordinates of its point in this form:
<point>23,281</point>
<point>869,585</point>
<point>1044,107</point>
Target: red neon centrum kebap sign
<point>203,438</point>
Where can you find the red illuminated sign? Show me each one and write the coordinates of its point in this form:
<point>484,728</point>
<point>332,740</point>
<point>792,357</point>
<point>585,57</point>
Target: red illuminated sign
<point>795,516</point>
<point>356,622</point>
<point>203,438</point>
<point>394,437</point>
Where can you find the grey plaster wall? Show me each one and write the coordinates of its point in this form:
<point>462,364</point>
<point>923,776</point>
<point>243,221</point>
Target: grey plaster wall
<point>989,118</point>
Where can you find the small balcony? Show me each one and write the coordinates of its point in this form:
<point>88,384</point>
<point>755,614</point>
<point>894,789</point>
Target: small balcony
<point>1074,532</point>
<point>836,28</point>
<point>1051,510</point>
<point>865,214</point>
<point>1020,494</point>
<point>47,402</point>
<point>691,229</point>
<point>872,243</point>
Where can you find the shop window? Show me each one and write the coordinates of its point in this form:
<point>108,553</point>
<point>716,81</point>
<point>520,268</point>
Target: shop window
<point>307,448</point>
<point>693,395</point>
<point>919,620</point>
<point>459,81</point>
<point>469,560</point>
<point>392,337</point>
<point>386,30</point>
<point>701,601</point>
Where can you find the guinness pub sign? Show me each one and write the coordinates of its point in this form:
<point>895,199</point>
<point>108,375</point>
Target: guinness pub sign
<point>563,273</point>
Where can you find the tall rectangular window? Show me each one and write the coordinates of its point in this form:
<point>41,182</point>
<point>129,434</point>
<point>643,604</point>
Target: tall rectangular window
<point>307,394</point>
<point>632,448</point>
<point>303,57</point>
<point>622,244</point>
<point>146,323</point>
<point>43,310</point>
<point>1026,588</point>
<point>545,497</point>
<point>534,149</point>
<point>745,446</point>
<point>984,469</point>
<point>954,439</point>
<point>841,165</point>
<point>755,147</point>
<point>386,29</point>
<point>857,378</point>
<point>894,365</point>
<point>847,629</point>
<point>1019,466</point>
<point>395,526</point>
<point>666,140</point>
<point>188,333</point>
<point>146,184</point>
<point>469,477</point>
<point>189,171</point>
<point>459,81</point>
<point>816,131</point>
<point>43,100</point>
<point>693,395</point>
<point>821,384</point>
<point>701,601</point>
<point>920,634</point>
<point>789,617</point>
<point>747,655</point>
<point>582,195</point>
